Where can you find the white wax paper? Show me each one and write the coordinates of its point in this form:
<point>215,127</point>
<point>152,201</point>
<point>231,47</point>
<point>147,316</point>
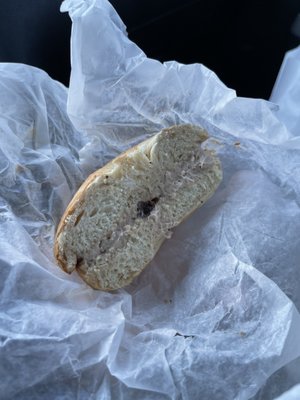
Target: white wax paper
<point>291,394</point>
<point>286,91</point>
<point>286,95</point>
<point>215,314</point>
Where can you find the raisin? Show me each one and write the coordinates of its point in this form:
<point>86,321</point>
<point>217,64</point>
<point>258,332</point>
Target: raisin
<point>78,218</point>
<point>79,262</point>
<point>144,208</point>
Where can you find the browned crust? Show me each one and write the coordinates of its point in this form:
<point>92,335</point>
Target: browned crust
<point>78,199</point>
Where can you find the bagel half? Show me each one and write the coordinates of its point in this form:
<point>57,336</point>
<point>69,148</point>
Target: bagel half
<point>120,216</point>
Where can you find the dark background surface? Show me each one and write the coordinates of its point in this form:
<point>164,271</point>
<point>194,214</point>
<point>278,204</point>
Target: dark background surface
<point>243,42</point>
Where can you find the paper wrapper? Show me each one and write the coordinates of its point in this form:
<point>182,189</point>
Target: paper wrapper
<point>215,313</point>
<point>286,92</point>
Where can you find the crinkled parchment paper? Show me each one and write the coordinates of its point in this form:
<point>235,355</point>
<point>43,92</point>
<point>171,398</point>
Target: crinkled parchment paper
<point>215,314</point>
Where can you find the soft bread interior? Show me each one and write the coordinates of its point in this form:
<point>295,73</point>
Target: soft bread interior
<point>128,208</point>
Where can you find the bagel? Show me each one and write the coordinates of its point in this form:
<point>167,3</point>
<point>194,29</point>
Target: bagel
<point>123,212</point>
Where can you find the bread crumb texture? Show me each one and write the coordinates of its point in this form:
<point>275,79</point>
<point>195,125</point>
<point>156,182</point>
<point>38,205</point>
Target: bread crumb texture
<point>123,212</point>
